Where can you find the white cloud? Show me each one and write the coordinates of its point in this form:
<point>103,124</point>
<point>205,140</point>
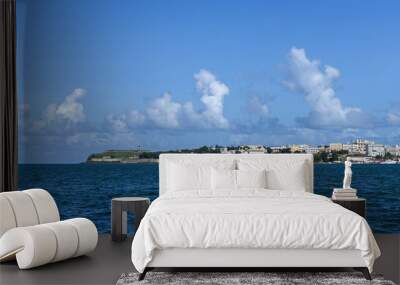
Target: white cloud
<point>135,118</point>
<point>117,123</point>
<point>50,114</point>
<point>71,109</point>
<point>124,122</point>
<point>69,113</point>
<point>164,112</point>
<point>195,119</point>
<point>317,85</point>
<point>212,96</point>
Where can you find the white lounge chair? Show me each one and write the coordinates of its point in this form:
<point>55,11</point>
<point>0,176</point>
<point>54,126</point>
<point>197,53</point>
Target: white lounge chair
<point>31,230</point>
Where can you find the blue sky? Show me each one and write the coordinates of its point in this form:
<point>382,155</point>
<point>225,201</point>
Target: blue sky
<point>96,75</point>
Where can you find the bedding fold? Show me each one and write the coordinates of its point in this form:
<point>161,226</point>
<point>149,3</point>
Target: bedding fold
<point>252,218</point>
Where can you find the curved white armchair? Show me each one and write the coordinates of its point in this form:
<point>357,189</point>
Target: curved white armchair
<point>31,230</point>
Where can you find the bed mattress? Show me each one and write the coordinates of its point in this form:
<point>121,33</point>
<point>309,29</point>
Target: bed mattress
<point>251,219</point>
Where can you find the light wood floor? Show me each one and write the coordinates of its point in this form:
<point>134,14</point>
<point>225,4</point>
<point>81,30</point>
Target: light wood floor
<point>111,259</point>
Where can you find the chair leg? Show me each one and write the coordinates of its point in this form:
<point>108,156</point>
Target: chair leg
<point>364,271</point>
<point>143,274</point>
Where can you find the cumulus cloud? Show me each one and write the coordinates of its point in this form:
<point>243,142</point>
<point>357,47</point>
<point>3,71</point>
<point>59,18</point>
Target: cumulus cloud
<point>165,113</point>
<point>70,109</point>
<point>117,123</point>
<point>69,112</point>
<point>212,96</point>
<point>317,85</point>
<point>126,121</point>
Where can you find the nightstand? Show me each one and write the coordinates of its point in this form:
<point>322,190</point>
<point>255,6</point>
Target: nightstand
<point>357,205</point>
<point>119,208</point>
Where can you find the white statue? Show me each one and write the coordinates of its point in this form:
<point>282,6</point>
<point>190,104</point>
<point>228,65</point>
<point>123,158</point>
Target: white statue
<point>347,174</point>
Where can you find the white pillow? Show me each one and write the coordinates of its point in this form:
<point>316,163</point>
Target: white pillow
<point>188,177</point>
<point>251,178</point>
<point>292,179</point>
<point>223,179</point>
<point>281,174</point>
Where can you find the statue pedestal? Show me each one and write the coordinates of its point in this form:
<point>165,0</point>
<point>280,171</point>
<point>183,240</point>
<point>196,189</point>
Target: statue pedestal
<point>344,194</point>
<point>344,190</point>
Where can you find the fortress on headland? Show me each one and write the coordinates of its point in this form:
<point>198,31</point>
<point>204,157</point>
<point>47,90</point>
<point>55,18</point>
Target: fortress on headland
<point>123,156</point>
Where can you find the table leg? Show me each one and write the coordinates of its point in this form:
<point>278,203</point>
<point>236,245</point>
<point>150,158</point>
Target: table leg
<point>124,226</point>
<point>139,211</point>
<point>116,221</point>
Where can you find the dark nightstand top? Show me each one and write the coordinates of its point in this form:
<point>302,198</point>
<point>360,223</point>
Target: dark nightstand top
<point>357,205</point>
<point>130,199</point>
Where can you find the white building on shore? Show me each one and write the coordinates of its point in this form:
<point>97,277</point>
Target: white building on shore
<point>360,147</point>
<point>336,147</point>
<point>252,149</point>
<point>375,150</point>
<point>278,149</point>
<point>313,149</point>
<point>393,150</point>
<point>298,148</point>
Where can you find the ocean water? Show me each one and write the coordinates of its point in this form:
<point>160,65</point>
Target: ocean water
<point>86,190</point>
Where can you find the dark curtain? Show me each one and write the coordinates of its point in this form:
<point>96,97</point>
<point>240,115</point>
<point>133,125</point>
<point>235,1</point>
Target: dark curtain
<point>8,99</point>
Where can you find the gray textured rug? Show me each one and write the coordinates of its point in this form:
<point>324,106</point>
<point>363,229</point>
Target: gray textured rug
<point>228,278</point>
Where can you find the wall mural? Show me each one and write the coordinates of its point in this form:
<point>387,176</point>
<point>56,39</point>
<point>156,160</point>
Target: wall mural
<point>104,89</point>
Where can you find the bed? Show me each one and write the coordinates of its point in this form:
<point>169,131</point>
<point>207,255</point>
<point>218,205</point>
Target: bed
<point>245,211</point>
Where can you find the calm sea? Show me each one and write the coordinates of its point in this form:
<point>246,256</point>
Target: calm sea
<point>85,190</point>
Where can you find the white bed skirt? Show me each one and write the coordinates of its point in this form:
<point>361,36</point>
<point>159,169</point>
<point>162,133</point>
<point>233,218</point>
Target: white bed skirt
<point>189,257</point>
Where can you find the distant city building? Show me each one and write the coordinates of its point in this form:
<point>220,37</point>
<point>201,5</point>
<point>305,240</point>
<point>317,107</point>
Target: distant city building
<point>252,149</point>
<point>312,149</point>
<point>346,147</point>
<point>393,150</point>
<point>278,149</point>
<point>324,148</point>
<point>360,151</point>
<point>360,147</point>
<point>298,148</point>
<point>336,147</point>
<point>375,150</point>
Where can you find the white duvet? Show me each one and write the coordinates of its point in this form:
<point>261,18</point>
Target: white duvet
<point>250,219</point>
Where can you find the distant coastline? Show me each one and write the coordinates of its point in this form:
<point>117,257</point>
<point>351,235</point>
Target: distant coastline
<point>132,161</point>
<point>359,153</point>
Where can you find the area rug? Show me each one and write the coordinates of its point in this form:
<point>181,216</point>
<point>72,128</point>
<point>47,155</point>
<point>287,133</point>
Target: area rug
<point>269,278</point>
